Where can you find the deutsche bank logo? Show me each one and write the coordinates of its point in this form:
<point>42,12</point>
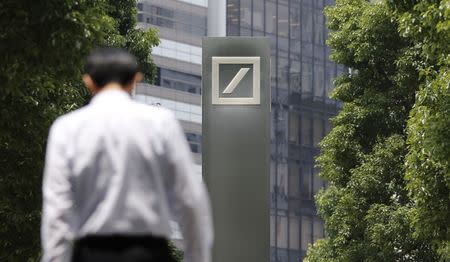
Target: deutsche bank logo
<point>219,97</point>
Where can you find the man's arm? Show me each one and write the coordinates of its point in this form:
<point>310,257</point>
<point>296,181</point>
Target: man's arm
<point>188,196</point>
<point>56,227</point>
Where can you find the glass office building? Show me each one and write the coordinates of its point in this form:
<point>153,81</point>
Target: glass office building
<point>302,78</point>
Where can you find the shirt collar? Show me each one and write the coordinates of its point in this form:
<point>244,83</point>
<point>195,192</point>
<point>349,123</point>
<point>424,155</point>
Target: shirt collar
<point>110,95</point>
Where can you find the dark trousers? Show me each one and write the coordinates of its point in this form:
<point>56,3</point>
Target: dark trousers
<point>118,248</point>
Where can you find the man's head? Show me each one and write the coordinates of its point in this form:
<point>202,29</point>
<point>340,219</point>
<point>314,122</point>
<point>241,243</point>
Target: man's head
<point>111,67</point>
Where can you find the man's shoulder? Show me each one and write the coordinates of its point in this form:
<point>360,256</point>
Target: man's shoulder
<point>137,111</point>
<point>68,119</point>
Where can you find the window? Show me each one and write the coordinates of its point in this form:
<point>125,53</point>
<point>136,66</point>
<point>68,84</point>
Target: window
<point>273,77</point>
<point>294,76</point>
<point>319,27</point>
<point>308,2</point>
<point>319,54</point>
<point>319,3</point>
<point>294,179</point>
<point>306,232</point>
<point>233,17</point>
<point>246,15</point>
<point>295,255</point>
<point>307,76</point>
<point>318,182</point>
<point>140,18</point>
<point>283,70</point>
<point>282,255</point>
<point>272,230</point>
<point>282,184</point>
<point>305,182</point>
<point>293,127</point>
<point>178,80</point>
<point>174,19</point>
<point>195,142</point>
<point>283,22</point>
<point>294,232</point>
<point>317,130</point>
<point>282,227</point>
<point>295,22</point>
<point>270,17</point>
<point>318,81</point>
<point>258,12</point>
<point>305,131</point>
<point>307,20</point>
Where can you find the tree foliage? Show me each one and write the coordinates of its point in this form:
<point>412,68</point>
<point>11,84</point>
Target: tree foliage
<point>43,45</point>
<point>127,36</point>
<point>427,24</point>
<point>385,160</point>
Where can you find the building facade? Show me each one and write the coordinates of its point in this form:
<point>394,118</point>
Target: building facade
<point>302,76</point>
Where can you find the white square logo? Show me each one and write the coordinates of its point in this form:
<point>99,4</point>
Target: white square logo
<point>233,85</point>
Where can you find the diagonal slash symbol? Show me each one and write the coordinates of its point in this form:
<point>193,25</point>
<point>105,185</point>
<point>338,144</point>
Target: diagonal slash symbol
<point>235,81</point>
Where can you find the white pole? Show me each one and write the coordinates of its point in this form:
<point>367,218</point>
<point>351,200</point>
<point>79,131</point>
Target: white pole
<point>217,17</point>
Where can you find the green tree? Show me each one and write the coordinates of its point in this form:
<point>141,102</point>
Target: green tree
<point>428,167</point>
<point>367,208</point>
<point>126,35</point>
<point>177,255</point>
<point>427,25</point>
<point>43,45</point>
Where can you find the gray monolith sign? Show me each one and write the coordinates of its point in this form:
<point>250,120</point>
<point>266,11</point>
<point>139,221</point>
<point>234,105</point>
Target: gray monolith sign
<point>236,145</point>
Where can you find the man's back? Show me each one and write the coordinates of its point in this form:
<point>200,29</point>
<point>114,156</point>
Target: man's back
<point>117,167</point>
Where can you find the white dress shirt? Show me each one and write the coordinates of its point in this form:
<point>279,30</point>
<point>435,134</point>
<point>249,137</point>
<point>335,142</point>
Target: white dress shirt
<point>120,167</point>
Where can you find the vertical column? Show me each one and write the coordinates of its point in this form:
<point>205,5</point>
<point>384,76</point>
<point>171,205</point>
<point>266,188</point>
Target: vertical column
<point>217,17</point>
<point>236,145</point>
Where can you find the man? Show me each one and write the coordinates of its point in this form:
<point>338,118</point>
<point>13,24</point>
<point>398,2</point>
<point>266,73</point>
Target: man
<point>115,171</point>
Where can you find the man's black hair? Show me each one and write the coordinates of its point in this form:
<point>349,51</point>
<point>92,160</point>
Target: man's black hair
<point>107,65</point>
